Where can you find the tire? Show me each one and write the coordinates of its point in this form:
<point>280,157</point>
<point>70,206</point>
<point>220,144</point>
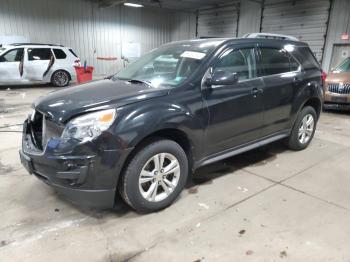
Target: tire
<point>60,78</point>
<point>139,195</point>
<point>303,132</point>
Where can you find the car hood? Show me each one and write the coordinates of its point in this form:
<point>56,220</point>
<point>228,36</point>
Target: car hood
<point>343,77</point>
<point>64,104</point>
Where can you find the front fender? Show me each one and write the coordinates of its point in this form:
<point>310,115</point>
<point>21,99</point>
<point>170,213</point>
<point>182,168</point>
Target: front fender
<point>138,121</point>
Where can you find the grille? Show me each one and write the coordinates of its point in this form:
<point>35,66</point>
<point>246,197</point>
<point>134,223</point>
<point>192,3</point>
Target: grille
<point>339,88</point>
<point>42,129</point>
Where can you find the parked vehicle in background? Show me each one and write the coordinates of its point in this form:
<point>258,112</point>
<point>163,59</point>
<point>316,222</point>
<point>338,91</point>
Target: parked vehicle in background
<point>37,63</point>
<point>186,104</point>
<point>337,87</point>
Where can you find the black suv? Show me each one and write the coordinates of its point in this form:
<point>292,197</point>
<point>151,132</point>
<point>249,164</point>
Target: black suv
<point>139,133</point>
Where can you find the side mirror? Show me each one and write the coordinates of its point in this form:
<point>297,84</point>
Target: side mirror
<point>2,59</point>
<point>109,77</point>
<point>221,77</point>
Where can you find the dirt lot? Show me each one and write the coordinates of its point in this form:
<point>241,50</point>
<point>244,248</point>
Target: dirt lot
<point>270,204</point>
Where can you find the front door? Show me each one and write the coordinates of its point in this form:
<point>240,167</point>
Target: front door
<point>37,63</point>
<point>235,111</point>
<point>11,66</point>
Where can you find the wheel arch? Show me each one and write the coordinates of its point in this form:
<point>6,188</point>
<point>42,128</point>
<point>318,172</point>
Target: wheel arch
<point>173,134</point>
<point>315,103</point>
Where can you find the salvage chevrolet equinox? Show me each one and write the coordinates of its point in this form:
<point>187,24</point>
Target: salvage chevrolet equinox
<point>141,132</point>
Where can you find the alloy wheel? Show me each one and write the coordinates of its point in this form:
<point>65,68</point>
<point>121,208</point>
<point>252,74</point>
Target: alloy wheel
<point>306,129</point>
<point>159,177</point>
<point>61,78</point>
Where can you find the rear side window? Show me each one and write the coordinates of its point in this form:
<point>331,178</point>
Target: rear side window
<point>39,54</point>
<point>14,55</point>
<point>307,58</point>
<point>59,54</point>
<point>71,50</point>
<point>276,61</point>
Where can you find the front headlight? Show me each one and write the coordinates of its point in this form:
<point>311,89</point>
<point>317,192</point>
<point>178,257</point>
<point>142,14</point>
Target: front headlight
<point>87,127</point>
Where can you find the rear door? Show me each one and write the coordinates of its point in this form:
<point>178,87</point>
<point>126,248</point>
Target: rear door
<point>236,111</point>
<point>11,66</point>
<point>37,63</point>
<point>282,75</point>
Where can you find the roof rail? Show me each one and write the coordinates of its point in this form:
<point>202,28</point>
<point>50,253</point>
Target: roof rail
<point>270,36</point>
<point>19,44</point>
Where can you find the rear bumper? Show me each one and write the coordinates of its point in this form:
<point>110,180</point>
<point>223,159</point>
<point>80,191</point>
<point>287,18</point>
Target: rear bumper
<point>86,175</point>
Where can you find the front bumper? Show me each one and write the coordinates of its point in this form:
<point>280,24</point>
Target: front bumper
<point>336,101</point>
<point>85,174</point>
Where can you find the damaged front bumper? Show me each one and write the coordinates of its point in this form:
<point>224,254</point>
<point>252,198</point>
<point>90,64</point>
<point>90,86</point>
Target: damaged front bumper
<point>86,174</point>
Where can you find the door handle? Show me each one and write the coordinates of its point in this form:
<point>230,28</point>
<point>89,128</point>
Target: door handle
<point>256,91</point>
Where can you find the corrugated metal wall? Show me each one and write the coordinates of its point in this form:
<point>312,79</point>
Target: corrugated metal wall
<point>249,17</point>
<point>339,23</point>
<point>218,22</point>
<point>91,31</point>
<point>183,26</point>
<point>306,20</point>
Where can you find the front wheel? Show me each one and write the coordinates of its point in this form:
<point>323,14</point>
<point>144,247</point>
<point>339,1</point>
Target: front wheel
<point>303,130</point>
<point>155,176</point>
<point>60,78</point>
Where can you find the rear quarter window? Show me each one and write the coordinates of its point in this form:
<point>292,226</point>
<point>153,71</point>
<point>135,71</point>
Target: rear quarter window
<point>59,54</point>
<point>71,50</point>
<point>307,58</point>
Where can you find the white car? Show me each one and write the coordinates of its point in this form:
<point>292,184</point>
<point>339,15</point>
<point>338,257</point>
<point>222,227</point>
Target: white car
<point>37,63</point>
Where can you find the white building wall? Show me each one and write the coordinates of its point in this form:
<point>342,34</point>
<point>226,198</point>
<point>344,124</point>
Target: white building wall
<point>91,31</point>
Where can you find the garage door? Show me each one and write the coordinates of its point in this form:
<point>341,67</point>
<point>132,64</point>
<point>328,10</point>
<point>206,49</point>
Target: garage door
<point>218,22</point>
<point>306,20</point>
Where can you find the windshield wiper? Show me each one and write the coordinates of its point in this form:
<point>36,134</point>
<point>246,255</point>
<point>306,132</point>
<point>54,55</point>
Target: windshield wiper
<point>137,81</point>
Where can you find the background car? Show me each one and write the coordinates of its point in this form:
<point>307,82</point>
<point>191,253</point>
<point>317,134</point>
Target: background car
<point>337,88</point>
<point>37,63</point>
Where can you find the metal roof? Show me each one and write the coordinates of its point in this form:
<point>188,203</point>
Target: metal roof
<point>184,5</point>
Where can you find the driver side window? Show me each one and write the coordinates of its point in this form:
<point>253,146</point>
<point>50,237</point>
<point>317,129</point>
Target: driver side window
<point>239,61</point>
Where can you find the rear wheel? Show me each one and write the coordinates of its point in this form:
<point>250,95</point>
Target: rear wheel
<point>60,78</point>
<point>155,176</point>
<point>303,130</point>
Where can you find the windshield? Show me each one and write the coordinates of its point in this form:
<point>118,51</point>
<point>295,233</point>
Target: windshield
<point>343,67</point>
<point>169,65</point>
<point>2,49</point>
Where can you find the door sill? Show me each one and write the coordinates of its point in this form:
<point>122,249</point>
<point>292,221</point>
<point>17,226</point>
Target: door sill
<point>242,148</point>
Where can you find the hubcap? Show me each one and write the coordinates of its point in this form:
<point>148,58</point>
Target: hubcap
<point>306,129</point>
<point>159,177</point>
<point>61,78</point>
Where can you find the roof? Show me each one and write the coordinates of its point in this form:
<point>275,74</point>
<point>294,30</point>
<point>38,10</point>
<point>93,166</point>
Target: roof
<point>218,41</point>
<point>34,44</point>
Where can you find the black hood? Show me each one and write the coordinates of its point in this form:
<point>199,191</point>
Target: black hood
<point>63,104</point>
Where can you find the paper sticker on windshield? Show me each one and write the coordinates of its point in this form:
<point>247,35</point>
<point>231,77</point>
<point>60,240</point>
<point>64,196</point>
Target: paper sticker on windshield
<point>194,55</point>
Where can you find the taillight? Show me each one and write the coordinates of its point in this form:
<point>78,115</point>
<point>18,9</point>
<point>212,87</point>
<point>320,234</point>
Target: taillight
<point>324,77</point>
<point>77,62</point>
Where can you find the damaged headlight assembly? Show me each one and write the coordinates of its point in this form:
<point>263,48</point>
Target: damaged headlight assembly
<point>89,126</point>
